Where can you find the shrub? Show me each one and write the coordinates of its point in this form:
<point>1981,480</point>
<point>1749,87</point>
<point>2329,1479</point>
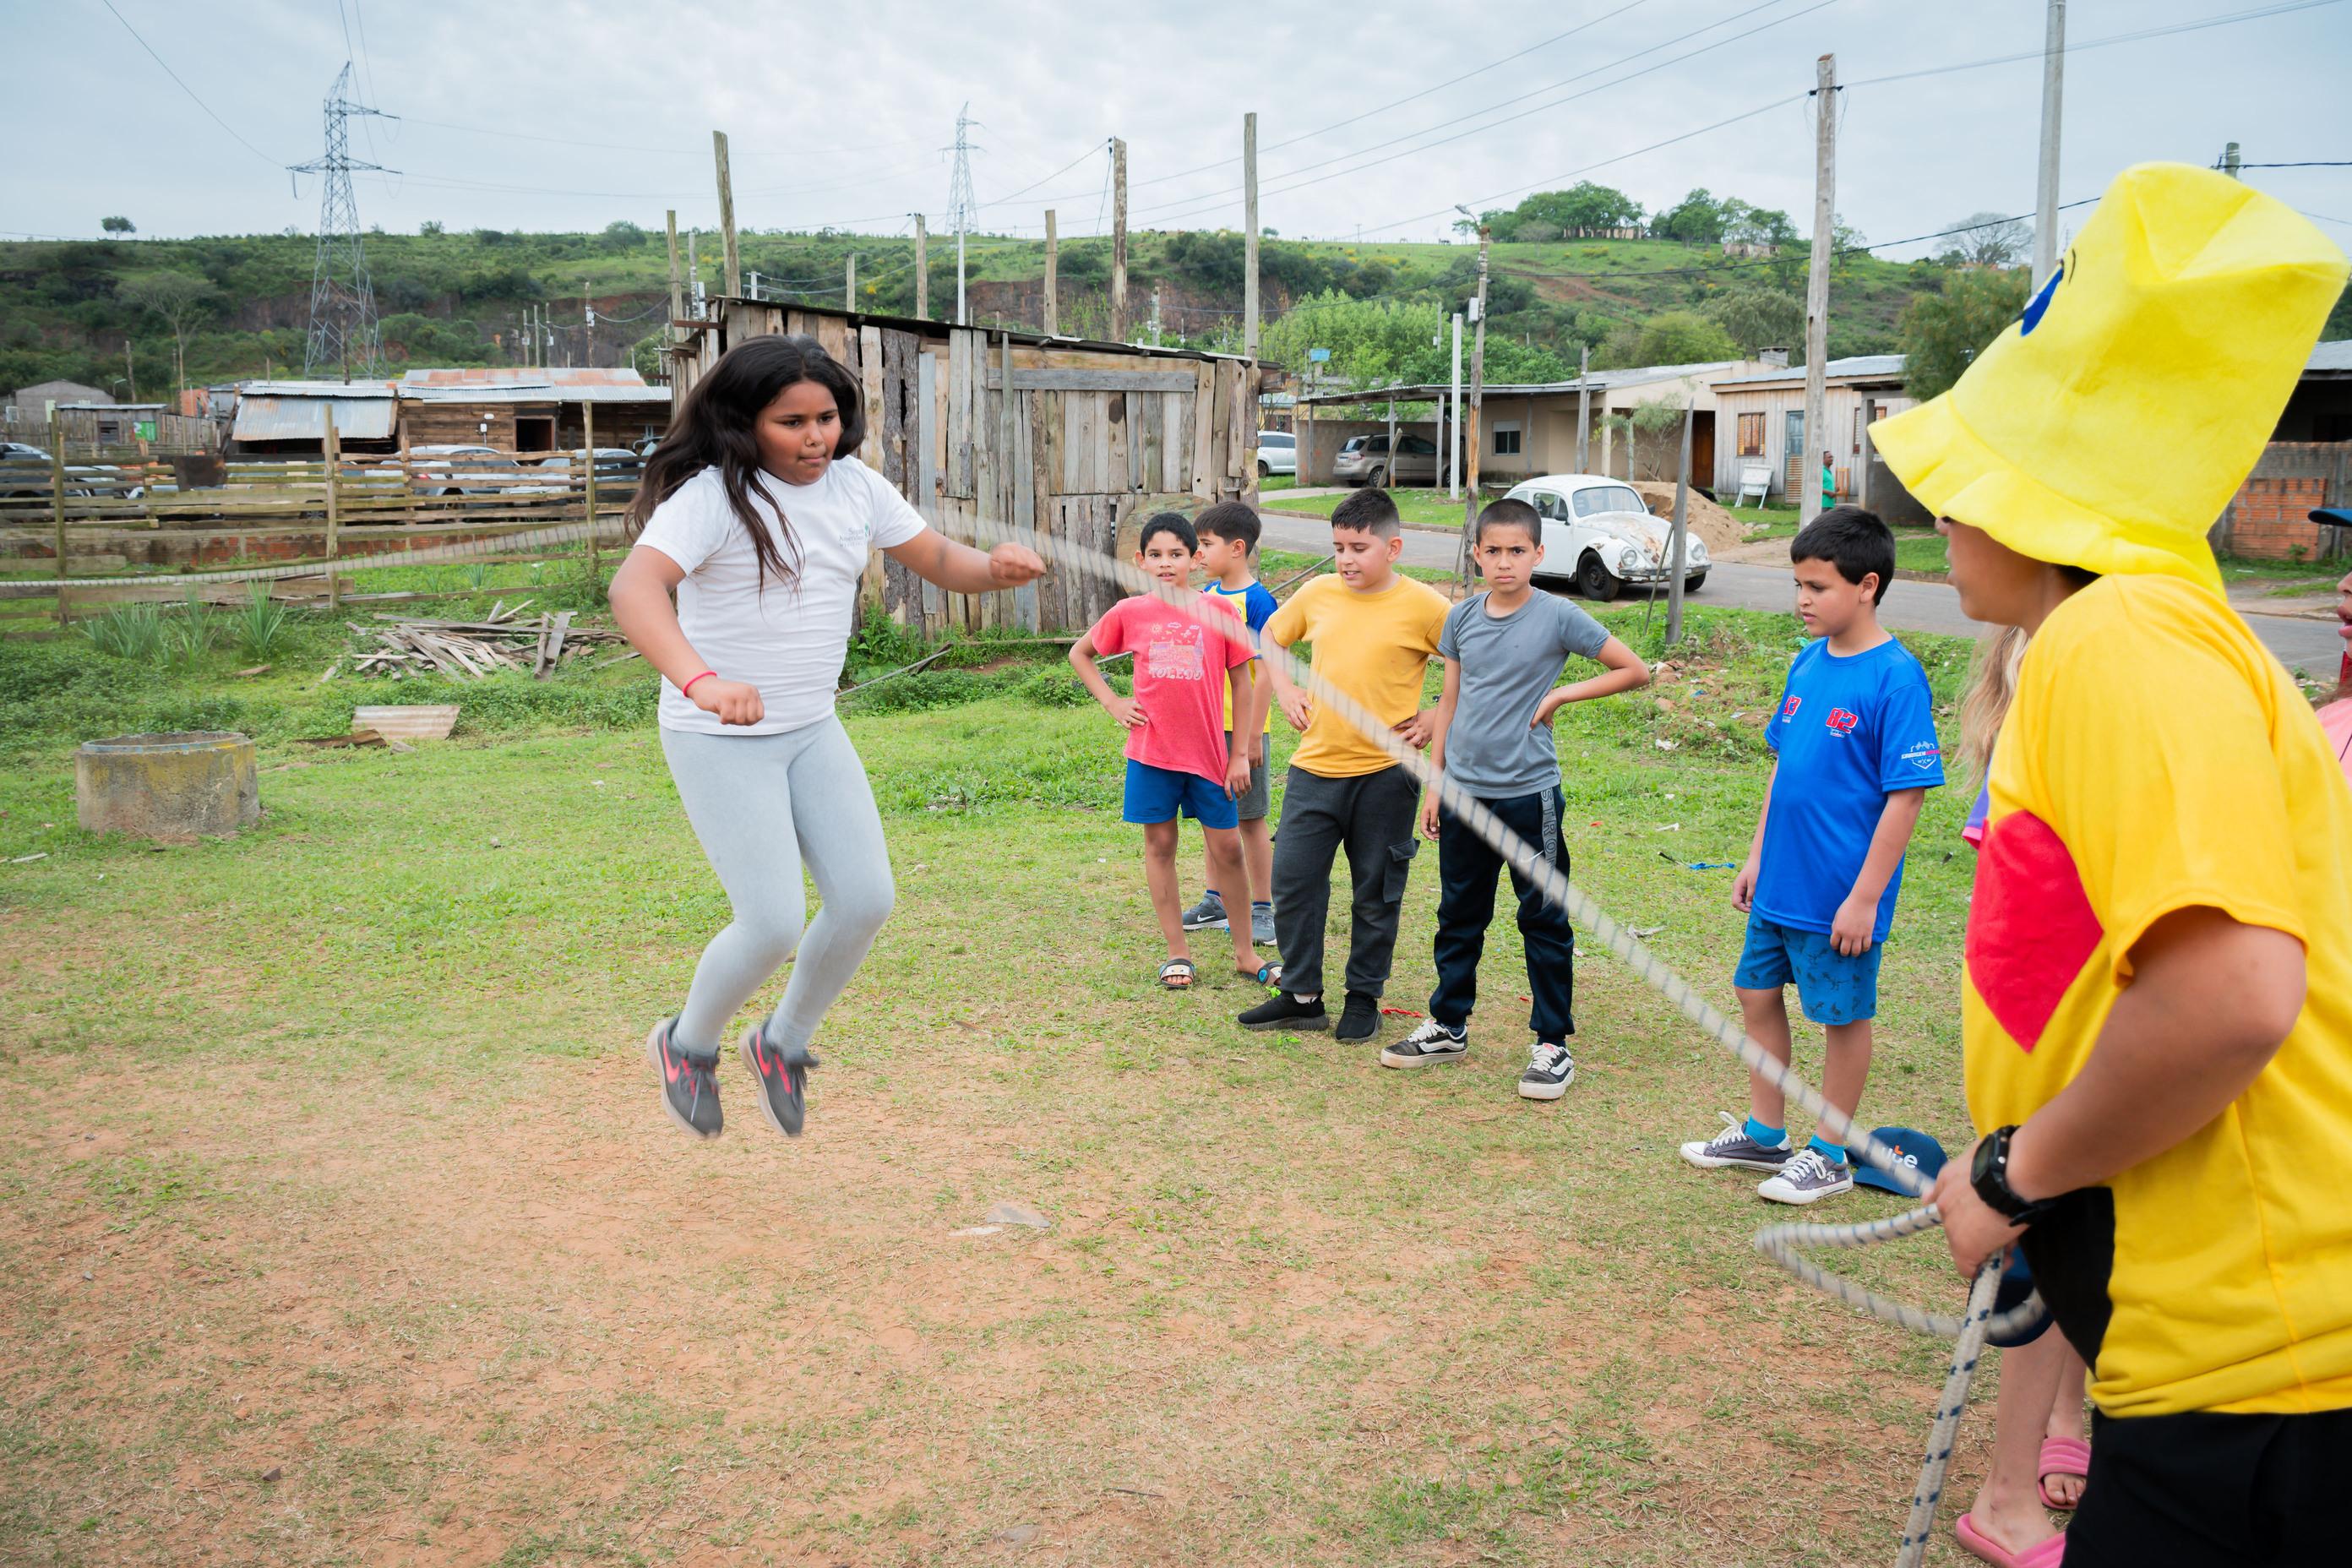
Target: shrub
<point>188,637</point>
<point>261,623</point>
<point>127,631</point>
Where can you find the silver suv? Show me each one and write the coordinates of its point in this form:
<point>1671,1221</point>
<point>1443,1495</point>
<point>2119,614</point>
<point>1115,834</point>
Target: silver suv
<point>1364,461</point>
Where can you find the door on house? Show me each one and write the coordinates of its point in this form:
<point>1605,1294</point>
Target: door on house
<point>1702,449</point>
<point>534,434</point>
<point>1794,464</point>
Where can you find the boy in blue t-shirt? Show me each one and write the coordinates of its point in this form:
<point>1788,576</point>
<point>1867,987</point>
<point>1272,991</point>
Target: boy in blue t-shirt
<point>1856,755</point>
<point>1228,534</point>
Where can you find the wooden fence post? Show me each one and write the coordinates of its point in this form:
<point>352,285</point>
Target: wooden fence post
<point>58,497</point>
<point>333,450</point>
<point>588,434</point>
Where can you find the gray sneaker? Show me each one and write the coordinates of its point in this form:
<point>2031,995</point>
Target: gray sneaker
<point>1732,1146</point>
<point>1209,914</point>
<point>1808,1179</point>
<point>1260,925</point>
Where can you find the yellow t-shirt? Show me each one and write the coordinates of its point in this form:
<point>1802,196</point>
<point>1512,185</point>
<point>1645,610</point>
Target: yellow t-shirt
<point>1376,648</point>
<point>2156,758</point>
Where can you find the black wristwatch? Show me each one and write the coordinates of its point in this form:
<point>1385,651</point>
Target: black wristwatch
<point>1988,1175</point>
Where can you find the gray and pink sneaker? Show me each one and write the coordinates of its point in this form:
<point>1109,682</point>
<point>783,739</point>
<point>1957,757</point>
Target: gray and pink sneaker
<point>689,1083</point>
<point>783,1074</point>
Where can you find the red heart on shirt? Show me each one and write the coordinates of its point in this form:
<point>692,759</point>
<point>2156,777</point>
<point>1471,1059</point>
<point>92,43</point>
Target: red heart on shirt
<point>2031,925</point>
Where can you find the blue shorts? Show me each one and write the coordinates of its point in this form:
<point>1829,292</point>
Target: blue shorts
<point>1831,987</point>
<point>1156,795</point>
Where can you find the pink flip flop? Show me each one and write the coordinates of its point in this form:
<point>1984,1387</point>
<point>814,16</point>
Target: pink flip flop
<point>2061,1457</point>
<point>2048,1554</point>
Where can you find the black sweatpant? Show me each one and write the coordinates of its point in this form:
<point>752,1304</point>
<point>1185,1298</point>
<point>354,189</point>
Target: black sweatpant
<point>1468,868</point>
<point>1371,817</point>
<point>2220,1492</point>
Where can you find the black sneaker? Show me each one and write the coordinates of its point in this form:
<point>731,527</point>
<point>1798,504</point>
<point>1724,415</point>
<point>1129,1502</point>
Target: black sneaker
<point>783,1074</point>
<point>1284,1011</point>
<point>1359,1019</point>
<point>1549,1069</point>
<point>1431,1044</point>
<point>689,1083</point>
<point>1209,914</point>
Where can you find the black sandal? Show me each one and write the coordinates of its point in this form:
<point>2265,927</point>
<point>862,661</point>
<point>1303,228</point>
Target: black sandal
<point>1176,974</point>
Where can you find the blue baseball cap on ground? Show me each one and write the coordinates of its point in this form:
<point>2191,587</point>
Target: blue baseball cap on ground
<point>1912,1148</point>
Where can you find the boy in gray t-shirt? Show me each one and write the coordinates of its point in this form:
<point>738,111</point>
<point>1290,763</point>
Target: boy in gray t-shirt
<point>1504,649</point>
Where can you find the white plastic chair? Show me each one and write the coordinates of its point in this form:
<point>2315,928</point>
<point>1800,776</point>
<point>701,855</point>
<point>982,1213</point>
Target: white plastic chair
<point>1755,479</point>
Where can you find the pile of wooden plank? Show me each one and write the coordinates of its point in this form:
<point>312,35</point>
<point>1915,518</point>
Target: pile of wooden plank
<point>468,650</point>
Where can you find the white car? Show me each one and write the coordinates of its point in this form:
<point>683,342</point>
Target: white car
<point>1278,453</point>
<point>1598,533</point>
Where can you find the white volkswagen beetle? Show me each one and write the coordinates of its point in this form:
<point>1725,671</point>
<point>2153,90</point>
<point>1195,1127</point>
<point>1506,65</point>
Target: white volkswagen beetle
<point>1597,533</point>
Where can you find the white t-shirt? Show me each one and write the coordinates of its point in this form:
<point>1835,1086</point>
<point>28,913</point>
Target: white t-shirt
<point>787,637</point>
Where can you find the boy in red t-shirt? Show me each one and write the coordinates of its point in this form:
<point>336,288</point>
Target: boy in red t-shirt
<point>1177,756</point>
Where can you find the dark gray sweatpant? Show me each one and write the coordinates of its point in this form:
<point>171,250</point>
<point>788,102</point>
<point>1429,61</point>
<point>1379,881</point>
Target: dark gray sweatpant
<point>1371,817</point>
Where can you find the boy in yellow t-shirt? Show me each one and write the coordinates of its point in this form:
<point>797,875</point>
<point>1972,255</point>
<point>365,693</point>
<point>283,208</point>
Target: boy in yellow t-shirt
<point>2156,998</point>
<point>1374,633</point>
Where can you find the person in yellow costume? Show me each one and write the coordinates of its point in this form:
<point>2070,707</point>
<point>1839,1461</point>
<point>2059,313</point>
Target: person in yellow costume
<point>2158,978</point>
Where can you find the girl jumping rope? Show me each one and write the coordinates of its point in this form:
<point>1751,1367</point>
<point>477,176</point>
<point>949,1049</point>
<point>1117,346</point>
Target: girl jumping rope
<point>756,513</point>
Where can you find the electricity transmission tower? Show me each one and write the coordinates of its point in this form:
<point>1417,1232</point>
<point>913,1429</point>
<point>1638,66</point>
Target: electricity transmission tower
<point>342,303</point>
<point>961,206</point>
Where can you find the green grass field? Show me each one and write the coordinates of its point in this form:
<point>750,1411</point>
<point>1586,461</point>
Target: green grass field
<point>342,1223</point>
<point>1429,507</point>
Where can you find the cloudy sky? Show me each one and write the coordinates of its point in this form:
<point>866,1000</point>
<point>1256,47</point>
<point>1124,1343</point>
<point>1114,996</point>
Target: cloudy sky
<point>545,114</point>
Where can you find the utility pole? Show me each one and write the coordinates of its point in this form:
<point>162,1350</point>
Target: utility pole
<point>694,269</point>
<point>755,283</point>
<point>1249,240</point>
<point>1680,548</point>
<point>2045,195</point>
<point>849,285</point>
<point>1155,315</point>
<point>1454,406</point>
<point>1476,427</point>
<point>923,270</point>
<point>342,300</point>
<point>1584,401</point>
<point>2231,163</point>
<point>1053,292</point>
<point>676,295</point>
<point>131,370</point>
<point>588,334</point>
<point>727,218</point>
<point>962,203</point>
<point>1817,282</point>
<point>1117,240</point>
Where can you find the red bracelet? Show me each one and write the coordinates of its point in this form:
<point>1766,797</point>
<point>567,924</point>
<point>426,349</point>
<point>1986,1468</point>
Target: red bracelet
<point>689,685</point>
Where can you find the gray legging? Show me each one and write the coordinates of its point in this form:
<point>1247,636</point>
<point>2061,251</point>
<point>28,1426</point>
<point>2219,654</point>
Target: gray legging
<point>762,806</point>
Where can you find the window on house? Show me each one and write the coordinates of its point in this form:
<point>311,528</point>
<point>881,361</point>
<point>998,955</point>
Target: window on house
<point>1506,440</point>
<point>1751,435</point>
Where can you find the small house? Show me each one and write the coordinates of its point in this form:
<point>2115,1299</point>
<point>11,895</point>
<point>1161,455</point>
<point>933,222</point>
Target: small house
<point>288,418</point>
<point>530,409</point>
<point>2307,464</point>
<point>1760,419</point>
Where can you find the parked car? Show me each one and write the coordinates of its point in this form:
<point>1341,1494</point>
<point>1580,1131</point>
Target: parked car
<point>1364,461</point>
<point>443,470</point>
<point>1278,453</point>
<point>1598,533</point>
<point>82,478</point>
<point>609,460</point>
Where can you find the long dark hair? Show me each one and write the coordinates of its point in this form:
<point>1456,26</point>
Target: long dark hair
<point>713,429</point>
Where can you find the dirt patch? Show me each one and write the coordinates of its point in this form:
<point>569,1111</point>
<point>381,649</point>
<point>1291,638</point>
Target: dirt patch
<point>1716,528</point>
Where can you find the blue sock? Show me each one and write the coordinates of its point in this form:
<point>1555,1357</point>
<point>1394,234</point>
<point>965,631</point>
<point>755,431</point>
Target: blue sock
<point>1210,895</point>
<point>1261,904</point>
<point>1768,1136</point>
<point>1826,1149</point>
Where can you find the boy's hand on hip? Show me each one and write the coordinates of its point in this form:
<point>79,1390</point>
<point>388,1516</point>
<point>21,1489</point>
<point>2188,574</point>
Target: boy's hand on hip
<point>1850,930</point>
<point>1973,1230</point>
<point>1743,888</point>
<point>734,702</point>
<point>1126,711</point>
<point>1415,730</point>
<point>1298,708</point>
<point>1550,705</point>
<point>1013,565</point>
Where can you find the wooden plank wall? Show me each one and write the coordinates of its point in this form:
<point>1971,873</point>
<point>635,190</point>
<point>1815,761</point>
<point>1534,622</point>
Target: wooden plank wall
<point>1091,438</point>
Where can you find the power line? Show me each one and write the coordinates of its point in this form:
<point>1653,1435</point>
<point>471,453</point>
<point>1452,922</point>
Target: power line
<point>2137,35</point>
<point>1054,175</point>
<point>184,86</point>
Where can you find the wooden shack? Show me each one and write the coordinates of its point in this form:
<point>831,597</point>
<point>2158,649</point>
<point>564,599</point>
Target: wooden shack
<point>1091,438</point>
<point>532,409</point>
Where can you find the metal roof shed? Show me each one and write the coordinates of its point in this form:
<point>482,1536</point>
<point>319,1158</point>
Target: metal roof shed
<point>285,416</point>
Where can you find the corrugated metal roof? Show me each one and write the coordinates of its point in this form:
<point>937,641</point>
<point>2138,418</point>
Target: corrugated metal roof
<point>1598,381</point>
<point>2331,357</point>
<point>539,391</point>
<point>521,375</point>
<point>267,417</point>
<point>318,388</point>
<point>1853,367</point>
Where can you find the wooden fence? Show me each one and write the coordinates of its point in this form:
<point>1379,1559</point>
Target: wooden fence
<point>92,535</point>
<point>105,435</point>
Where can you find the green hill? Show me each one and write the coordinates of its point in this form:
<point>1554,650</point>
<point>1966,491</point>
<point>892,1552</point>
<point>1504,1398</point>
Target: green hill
<point>460,298</point>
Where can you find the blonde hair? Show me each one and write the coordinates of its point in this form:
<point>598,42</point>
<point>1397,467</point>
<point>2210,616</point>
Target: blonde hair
<point>1992,684</point>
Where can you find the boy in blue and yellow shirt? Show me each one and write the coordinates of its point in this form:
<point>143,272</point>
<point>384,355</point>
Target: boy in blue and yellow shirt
<point>1856,755</point>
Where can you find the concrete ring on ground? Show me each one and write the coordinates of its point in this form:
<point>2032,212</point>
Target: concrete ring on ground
<point>167,786</point>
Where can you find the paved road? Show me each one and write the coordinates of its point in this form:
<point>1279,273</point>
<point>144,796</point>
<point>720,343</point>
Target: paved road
<point>2300,644</point>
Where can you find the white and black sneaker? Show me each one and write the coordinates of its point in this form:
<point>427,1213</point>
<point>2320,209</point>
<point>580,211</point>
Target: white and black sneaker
<point>1732,1146</point>
<point>1808,1179</point>
<point>1549,1070</point>
<point>1431,1044</point>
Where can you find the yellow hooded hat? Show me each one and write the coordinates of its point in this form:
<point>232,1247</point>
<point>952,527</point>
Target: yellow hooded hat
<point>2111,424</point>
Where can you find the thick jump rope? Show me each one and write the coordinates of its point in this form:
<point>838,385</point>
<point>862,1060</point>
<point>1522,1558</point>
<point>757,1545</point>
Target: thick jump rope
<point>1784,1243</point>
